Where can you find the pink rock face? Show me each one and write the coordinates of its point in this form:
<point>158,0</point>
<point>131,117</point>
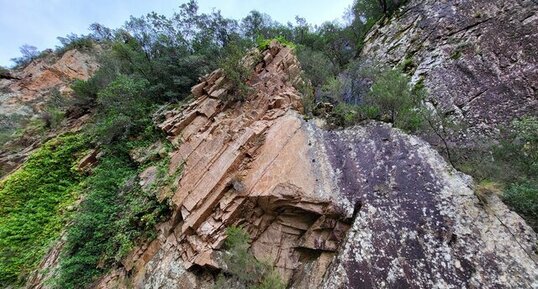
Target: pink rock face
<point>24,93</point>
<point>247,165</point>
<point>33,84</point>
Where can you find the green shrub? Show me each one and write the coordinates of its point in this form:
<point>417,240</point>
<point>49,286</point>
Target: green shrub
<point>390,99</point>
<point>236,71</point>
<point>243,270</point>
<point>523,198</point>
<point>123,110</point>
<point>396,100</point>
<point>74,41</point>
<point>115,213</point>
<point>520,146</point>
<point>513,163</point>
<point>344,115</point>
<point>263,43</point>
<point>317,66</point>
<point>33,202</point>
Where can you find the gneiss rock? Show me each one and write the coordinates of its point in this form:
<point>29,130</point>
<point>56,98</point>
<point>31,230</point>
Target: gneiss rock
<point>365,207</point>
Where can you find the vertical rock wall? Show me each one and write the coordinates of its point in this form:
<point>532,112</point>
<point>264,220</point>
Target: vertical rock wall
<point>477,58</point>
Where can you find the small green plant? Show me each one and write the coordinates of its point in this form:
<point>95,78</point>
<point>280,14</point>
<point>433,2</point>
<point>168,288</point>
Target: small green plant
<point>390,99</point>
<point>317,66</point>
<point>124,110</point>
<point>512,163</point>
<point>396,100</point>
<point>243,269</point>
<point>456,55</point>
<point>344,115</point>
<point>263,43</point>
<point>523,198</point>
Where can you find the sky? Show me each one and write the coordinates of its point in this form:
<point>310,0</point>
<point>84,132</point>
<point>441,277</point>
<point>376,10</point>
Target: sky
<point>39,22</point>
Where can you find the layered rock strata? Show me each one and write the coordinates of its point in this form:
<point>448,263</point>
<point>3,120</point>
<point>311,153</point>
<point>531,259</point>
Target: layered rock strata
<point>365,207</point>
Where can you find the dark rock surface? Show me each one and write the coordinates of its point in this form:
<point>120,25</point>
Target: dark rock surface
<point>477,58</point>
<point>419,224</point>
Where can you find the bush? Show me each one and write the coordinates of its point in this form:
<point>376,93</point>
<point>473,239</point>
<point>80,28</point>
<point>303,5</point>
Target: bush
<point>243,270</point>
<point>74,41</point>
<point>29,53</point>
<point>523,198</point>
<point>317,66</point>
<point>54,109</point>
<point>263,43</point>
<point>520,146</point>
<point>390,99</point>
<point>236,70</point>
<point>396,101</point>
<point>33,202</point>
<point>123,110</point>
<point>513,163</point>
<point>115,213</point>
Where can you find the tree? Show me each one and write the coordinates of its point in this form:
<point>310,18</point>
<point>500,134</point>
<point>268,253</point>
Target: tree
<point>255,24</point>
<point>101,32</point>
<point>396,101</point>
<point>28,52</point>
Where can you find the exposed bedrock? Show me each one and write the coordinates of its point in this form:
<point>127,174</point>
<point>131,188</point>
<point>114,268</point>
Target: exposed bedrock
<point>365,207</point>
<point>477,58</point>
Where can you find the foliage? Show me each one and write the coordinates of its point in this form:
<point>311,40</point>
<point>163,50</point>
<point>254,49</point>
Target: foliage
<point>54,109</point>
<point>236,70</point>
<point>519,153</point>
<point>33,205</point>
<point>115,213</point>
<point>153,60</point>
<point>390,99</point>
<point>513,163</point>
<point>123,110</point>
<point>366,13</point>
<point>344,114</point>
<point>523,198</point>
<point>396,101</point>
<point>520,146</point>
<point>263,43</point>
<point>243,270</point>
<point>317,66</point>
<point>8,126</point>
<point>28,52</point>
<point>74,41</point>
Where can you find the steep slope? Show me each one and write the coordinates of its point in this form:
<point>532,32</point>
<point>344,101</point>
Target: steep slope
<point>477,58</point>
<point>364,207</point>
<point>24,92</point>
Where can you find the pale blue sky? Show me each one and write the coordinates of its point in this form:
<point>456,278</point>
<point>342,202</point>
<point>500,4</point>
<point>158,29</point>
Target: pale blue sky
<point>39,22</point>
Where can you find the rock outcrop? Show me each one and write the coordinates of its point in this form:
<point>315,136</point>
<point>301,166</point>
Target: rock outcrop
<point>477,58</point>
<point>24,92</point>
<point>365,207</point>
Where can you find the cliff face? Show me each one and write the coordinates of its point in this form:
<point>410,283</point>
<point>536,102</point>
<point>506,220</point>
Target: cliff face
<point>24,91</point>
<point>365,207</point>
<point>477,58</point>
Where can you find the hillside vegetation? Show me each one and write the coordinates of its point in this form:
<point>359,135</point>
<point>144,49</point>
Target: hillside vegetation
<point>153,61</point>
